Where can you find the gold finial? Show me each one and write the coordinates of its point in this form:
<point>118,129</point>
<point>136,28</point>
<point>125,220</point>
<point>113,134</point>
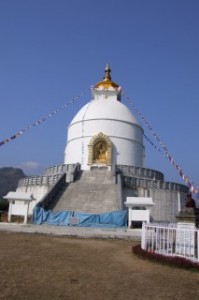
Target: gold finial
<point>107,82</point>
<point>107,72</point>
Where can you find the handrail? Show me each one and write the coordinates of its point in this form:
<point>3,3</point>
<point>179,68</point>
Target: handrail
<point>70,175</point>
<point>140,172</point>
<point>49,196</point>
<point>134,182</point>
<point>39,180</point>
<point>57,169</point>
<point>51,175</point>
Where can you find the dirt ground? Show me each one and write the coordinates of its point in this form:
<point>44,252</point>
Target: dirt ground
<point>45,267</point>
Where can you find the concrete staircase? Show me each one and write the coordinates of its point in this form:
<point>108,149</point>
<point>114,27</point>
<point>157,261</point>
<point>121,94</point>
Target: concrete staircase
<point>93,192</point>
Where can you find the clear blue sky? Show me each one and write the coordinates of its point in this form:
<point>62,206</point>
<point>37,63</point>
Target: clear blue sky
<point>51,50</point>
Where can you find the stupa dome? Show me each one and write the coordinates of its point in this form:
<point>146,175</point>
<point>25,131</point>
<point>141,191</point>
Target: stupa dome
<point>104,109</point>
<point>104,125</point>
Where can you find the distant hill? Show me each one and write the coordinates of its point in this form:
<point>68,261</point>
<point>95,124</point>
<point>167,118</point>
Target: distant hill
<point>9,178</point>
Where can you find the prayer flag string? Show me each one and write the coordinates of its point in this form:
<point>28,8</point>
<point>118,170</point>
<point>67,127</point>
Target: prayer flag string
<point>192,186</point>
<point>40,121</point>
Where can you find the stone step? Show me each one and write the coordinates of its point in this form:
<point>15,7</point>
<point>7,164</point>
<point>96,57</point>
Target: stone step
<point>93,192</point>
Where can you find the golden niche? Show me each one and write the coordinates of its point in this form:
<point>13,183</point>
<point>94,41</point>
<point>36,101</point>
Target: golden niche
<point>100,152</point>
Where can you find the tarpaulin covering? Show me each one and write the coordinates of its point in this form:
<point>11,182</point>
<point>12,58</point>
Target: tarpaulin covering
<point>72,218</point>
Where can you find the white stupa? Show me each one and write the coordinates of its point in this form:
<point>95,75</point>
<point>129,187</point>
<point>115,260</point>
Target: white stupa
<point>104,131</point>
<point>104,164</point>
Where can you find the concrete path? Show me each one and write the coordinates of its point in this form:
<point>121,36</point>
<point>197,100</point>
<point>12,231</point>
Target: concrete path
<point>84,232</point>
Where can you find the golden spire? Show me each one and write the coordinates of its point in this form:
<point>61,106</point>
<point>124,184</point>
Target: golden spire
<point>107,82</point>
<point>107,72</point>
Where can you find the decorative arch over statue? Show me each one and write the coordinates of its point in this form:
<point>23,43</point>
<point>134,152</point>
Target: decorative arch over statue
<point>100,150</point>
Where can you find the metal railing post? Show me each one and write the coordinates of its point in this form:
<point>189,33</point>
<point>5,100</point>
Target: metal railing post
<point>143,241</point>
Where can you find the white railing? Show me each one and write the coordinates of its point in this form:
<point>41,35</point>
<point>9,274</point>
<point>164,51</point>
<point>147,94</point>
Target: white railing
<point>51,176</point>
<point>57,169</point>
<point>171,240</point>
<point>39,180</point>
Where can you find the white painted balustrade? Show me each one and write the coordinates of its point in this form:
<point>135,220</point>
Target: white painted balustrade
<point>171,240</point>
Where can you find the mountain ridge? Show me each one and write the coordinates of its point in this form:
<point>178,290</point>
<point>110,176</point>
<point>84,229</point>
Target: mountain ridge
<point>9,178</point>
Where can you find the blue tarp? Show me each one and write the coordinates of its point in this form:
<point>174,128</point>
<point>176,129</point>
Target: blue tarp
<point>71,218</point>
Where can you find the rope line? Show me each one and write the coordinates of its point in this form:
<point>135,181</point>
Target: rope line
<point>40,121</point>
<point>192,186</point>
<point>152,144</point>
<point>83,130</point>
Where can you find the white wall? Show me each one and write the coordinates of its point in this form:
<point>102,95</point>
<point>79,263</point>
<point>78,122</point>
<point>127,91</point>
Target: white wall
<point>37,191</point>
<point>127,140</point>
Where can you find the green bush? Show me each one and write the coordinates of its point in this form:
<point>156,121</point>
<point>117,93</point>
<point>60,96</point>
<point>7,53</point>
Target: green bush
<point>4,204</point>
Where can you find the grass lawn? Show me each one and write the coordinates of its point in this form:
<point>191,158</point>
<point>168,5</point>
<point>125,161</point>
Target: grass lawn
<point>37,267</point>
